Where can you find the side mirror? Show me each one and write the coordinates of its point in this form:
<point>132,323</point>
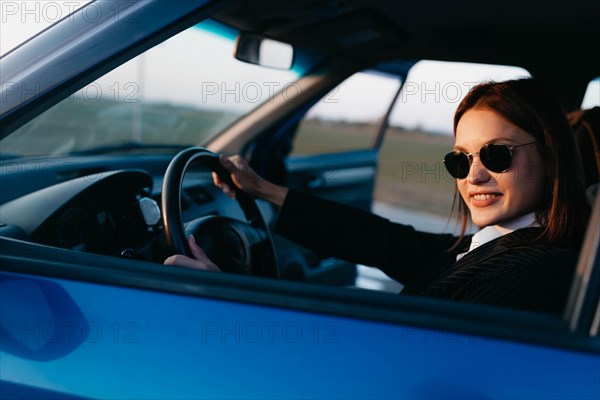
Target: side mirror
<point>259,50</point>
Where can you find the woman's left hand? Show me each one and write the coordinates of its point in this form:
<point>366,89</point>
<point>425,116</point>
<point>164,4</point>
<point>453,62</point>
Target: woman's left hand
<point>200,260</point>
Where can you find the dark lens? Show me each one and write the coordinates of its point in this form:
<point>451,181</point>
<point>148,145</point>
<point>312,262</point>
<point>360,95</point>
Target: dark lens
<point>457,164</point>
<point>496,157</point>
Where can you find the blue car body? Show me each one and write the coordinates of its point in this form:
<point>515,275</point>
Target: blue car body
<point>90,340</point>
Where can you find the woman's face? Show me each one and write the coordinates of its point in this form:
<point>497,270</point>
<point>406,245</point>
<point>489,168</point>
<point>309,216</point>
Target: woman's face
<point>494,197</point>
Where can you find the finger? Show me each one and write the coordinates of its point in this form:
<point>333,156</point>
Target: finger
<point>183,261</point>
<point>223,186</point>
<point>218,181</point>
<point>227,163</point>
<point>240,171</point>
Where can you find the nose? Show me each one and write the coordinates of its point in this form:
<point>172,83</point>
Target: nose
<point>478,173</point>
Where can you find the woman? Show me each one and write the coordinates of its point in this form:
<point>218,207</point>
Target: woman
<point>517,174</point>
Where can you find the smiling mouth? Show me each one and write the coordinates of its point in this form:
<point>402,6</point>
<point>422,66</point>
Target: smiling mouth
<point>487,196</point>
<point>481,200</point>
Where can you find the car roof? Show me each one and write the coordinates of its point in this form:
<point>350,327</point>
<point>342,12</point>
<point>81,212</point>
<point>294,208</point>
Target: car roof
<point>554,40</point>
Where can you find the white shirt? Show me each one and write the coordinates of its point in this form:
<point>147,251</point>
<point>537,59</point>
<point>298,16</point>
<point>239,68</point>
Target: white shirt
<point>492,232</point>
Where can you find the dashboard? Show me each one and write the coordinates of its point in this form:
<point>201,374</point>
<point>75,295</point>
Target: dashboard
<point>110,205</point>
<point>109,212</point>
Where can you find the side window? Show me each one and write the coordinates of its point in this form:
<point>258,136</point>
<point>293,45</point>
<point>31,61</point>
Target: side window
<point>348,117</point>
<point>412,183</point>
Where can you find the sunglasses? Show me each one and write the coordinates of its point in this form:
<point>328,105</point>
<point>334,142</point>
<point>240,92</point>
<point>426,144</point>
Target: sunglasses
<point>495,157</point>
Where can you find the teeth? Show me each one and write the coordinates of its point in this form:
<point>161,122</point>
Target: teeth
<point>484,196</point>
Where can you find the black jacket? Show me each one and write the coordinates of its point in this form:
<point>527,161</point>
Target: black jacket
<point>510,271</point>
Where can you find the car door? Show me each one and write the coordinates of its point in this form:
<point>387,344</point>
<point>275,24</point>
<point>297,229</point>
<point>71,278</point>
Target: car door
<point>335,145</point>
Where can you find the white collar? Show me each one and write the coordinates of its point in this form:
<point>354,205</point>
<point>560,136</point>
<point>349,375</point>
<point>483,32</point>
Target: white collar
<point>492,232</point>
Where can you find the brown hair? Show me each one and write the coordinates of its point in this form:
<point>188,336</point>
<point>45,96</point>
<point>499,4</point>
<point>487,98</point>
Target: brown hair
<point>531,106</point>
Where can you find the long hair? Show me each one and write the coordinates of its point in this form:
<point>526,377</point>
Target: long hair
<point>531,106</point>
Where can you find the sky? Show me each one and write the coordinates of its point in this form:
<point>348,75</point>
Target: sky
<point>424,103</point>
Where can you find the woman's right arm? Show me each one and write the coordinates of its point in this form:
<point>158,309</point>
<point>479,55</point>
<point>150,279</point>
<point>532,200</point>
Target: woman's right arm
<point>337,230</point>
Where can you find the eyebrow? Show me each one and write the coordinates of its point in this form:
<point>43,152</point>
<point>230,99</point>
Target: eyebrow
<point>495,140</point>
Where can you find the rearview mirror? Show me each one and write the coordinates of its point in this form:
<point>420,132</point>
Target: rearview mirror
<point>259,50</point>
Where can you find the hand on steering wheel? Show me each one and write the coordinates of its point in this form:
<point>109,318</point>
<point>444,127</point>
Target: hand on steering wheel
<point>199,261</point>
<point>235,246</point>
<point>241,175</point>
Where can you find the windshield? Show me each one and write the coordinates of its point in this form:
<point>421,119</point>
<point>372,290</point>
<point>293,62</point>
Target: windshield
<point>180,93</point>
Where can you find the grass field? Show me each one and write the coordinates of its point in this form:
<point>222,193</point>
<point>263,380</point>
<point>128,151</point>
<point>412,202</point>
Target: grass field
<point>76,124</point>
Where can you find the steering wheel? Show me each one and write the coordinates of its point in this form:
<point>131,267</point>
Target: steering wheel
<point>234,246</point>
